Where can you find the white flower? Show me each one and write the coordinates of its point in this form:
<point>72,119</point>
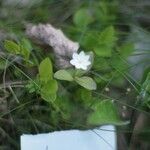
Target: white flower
<point>81,60</point>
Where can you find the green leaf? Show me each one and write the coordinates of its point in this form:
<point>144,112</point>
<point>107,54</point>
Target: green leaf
<point>118,63</point>
<point>145,91</point>
<point>32,87</point>
<point>82,17</point>
<point>86,82</point>
<point>104,112</point>
<point>25,48</point>
<point>26,43</point>
<point>108,37</point>
<point>49,97</point>
<point>90,39</point>
<point>85,97</point>
<point>49,90</point>
<point>12,47</point>
<point>126,49</point>
<point>22,49</point>
<point>103,51</point>
<point>104,64</point>
<point>106,42</point>
<point>2,64</point>
<point>24,52</point>
<point>51,87</point>
<point>63,75</point>
<point>85,94</point>
<point>45,70</point>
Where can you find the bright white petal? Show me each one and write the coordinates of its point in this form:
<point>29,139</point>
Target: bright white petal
<point>73,62</point>
<point>81,53</point>
<point>75,55</point>
<point>88,63</point>
<point>84,67</point>
<point>78,66</point>
<point>81,60</point>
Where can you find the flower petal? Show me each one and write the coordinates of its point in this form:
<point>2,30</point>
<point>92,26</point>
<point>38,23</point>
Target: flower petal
<point>84,67</point>
<point>82,54</point>
<point>87,57</point>
<point>81,60</point>
<point>73,62</point>
<point>75,55</point>
<point>78,66</point>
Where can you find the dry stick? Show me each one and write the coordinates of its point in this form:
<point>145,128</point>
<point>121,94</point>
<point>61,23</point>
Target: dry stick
<point>4,74</point>
<point>13,84</point>
<point>13,93</point>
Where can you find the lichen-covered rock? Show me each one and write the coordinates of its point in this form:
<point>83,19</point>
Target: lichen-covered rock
<point>48,35</point>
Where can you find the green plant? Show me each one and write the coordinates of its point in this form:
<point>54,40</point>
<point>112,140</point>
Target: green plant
<point>36,96</point>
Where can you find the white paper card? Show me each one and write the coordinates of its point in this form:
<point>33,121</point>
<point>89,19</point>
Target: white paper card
<point>103,138</point>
